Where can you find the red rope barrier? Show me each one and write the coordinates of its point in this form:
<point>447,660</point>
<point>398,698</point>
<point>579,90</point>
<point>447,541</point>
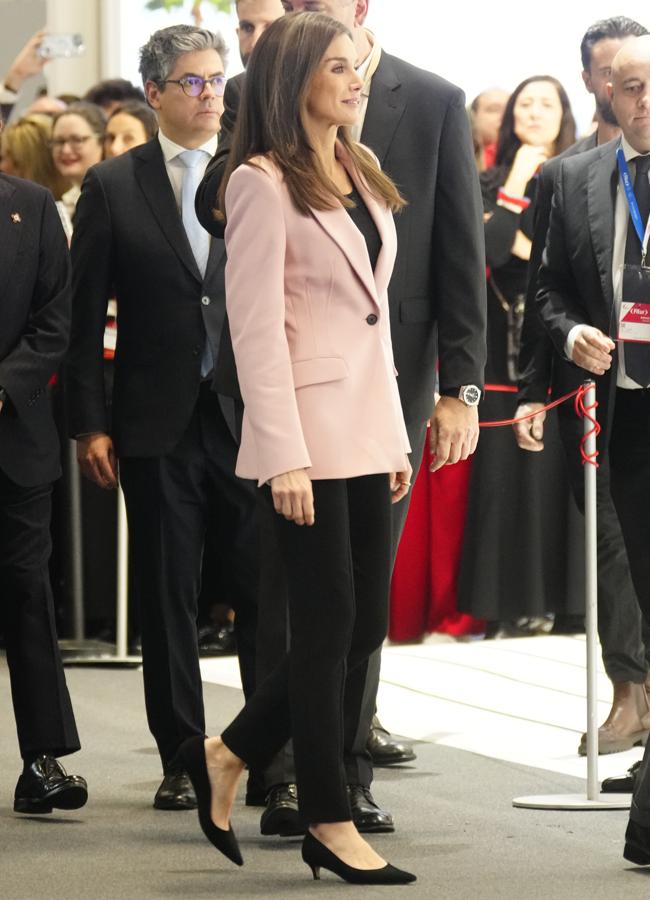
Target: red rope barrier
<point>582,411</point>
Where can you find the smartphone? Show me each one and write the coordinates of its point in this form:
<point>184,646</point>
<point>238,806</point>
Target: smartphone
<point>61,46</point>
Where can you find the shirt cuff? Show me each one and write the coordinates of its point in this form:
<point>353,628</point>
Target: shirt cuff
<point>7,97</point>
<point>570,341</point>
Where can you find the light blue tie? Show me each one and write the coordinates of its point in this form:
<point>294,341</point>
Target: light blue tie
<point>197,236</point>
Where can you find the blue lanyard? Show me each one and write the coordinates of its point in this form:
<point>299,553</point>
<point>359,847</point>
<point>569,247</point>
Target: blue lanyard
<point>643,231</point>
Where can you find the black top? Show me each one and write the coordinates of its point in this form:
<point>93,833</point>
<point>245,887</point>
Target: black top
<point>366,225</point>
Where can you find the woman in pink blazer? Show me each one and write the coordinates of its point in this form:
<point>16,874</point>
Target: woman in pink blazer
<point>311,245</point>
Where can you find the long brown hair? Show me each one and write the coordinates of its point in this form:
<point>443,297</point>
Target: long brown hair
<point>270,119</point>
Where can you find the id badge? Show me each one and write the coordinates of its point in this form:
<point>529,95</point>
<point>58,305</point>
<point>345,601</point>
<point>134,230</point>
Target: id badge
<point>634,316</point>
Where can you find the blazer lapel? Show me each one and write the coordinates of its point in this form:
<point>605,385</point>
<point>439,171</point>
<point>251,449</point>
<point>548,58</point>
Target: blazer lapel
<point>156,187</point>
<point>11,231</point>
<point>217,250</point>
<point>601,204</point>
<point>379,214</point>
<point>340,227</point>
<point>386,105</point>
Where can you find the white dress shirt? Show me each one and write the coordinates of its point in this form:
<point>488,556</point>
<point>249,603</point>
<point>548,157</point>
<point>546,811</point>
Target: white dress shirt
<point>175,167</point>
<point>621,219</point>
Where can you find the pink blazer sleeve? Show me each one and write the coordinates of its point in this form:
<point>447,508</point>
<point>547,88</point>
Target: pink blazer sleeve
<point>255,243</point>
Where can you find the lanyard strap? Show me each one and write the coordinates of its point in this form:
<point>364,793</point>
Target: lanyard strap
<point>626,179</point>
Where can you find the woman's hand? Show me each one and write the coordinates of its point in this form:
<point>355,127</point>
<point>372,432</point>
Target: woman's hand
<point>293,496</point>
<point>400,483</point>
<point>526,162</point>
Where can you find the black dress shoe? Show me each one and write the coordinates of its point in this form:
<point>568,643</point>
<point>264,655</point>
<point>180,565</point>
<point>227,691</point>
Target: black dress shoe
<point>366,814</point>
<point>637,844</point>
<point>192,752</point>
<point>217,640</point>
<point>175,791</point>
<point>281,815</point>
<point>44,785</point>
<point>384,749</point>
<point>621,784</point>
<point>318,856</point>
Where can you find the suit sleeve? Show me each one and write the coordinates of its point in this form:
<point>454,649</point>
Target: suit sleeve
<point>208,191</point>
<point>536,350</point>
<point>26,371</point>
<point>556,287</point>
<point>256,246</point>
<point>91,288</point>
<point>459,256</point>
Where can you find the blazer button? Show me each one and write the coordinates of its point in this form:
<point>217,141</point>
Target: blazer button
<point>372,319</point>
<point>205,301</point>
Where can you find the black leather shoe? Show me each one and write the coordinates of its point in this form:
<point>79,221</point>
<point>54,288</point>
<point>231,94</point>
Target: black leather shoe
<point>384,749</point>
<point>366,814</point>
<point>621,784</point>
<point>217,640</point>
<point>281,815</point>
<point>44,785</point>
<point>637,844</point>
<point>175,791</point>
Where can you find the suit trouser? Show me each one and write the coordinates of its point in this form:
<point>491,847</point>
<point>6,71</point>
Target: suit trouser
<point>44,718</point>
<point>274,637</point>
<point>338,578</point>
<point>168,501</point>
<point>629,449</point>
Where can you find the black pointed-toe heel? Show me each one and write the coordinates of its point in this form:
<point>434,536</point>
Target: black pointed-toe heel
<point>192,752</point>
<point>317,856</point>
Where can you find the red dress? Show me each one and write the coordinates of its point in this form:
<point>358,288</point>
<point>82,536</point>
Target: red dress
<point>423,590</point>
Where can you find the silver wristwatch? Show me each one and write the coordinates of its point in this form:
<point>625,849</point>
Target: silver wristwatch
<point>470,394</point>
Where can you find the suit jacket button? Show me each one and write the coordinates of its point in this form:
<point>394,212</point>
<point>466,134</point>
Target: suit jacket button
<point>372,319</point>
<point>196,350</point>
<point>205,301</point>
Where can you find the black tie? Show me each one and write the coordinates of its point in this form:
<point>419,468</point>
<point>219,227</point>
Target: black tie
<point>637,355</point>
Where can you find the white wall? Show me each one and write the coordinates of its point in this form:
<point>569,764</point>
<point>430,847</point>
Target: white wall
<point>474,44</point>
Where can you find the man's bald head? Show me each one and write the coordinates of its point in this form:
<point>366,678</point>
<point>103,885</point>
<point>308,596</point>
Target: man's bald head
<point>630,91</point>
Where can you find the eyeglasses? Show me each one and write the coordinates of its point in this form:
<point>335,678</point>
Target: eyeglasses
<point>194,85</point>
<point>76,141</point>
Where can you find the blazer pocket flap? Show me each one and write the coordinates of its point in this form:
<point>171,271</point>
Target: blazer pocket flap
<point>418,309</point>
<point>319,370</point>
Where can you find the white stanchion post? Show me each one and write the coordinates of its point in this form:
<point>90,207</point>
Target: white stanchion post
<point>594,799</point>
<point>591,593</point>
<point>122,604</point>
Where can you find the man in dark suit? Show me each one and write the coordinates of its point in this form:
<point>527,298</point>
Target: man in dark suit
<point>593,262</point>
<point>137,238</point>
<point>35,313</point>
<point>620,623</point>
<point>416,124</point>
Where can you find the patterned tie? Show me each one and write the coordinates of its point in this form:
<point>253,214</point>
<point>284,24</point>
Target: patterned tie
<point>197,235</point>
<point>637,355</point>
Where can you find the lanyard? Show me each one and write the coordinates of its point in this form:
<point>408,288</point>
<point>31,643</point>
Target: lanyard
<point>643,233</point>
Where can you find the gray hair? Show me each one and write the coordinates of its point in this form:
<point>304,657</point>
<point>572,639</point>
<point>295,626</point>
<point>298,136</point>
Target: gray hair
<point>161,52</point>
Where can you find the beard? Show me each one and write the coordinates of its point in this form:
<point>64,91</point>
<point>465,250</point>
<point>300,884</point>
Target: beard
<point>605,111</point>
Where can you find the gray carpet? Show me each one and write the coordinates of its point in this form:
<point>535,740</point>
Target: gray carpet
<point>456,827</point>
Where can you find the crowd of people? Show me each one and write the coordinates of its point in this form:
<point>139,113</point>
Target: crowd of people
<point>278,289</point>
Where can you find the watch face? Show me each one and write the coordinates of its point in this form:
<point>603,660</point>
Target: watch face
<point>470,395</point>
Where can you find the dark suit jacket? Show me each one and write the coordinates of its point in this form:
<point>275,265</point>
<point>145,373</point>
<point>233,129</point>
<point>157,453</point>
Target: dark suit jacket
<point>35,317</point>
<point>575,279</point>
<point>540,367</point>
<point>129,242</point>
<point>417,126</point>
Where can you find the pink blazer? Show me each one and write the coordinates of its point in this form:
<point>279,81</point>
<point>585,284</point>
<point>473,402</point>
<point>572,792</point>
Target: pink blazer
<point>317,376</point>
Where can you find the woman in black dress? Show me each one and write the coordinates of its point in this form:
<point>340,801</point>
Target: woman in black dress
<point>521,516</point>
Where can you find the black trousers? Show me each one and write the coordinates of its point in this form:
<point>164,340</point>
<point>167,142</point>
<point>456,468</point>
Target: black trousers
<point>274,636</point>
<point>169,500</point>
<point>44,718</point>
<point>338,578</point>
<point>629,450</point>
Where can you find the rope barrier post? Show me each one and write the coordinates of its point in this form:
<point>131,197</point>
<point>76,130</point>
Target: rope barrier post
<point>591,588</point>
<point>586,407</point>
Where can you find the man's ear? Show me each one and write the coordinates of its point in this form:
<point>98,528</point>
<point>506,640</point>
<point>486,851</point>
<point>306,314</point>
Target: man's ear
<point>361,11</point>
<point>152,92</point>
<point>586,77</point>
<point>610,89</point>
